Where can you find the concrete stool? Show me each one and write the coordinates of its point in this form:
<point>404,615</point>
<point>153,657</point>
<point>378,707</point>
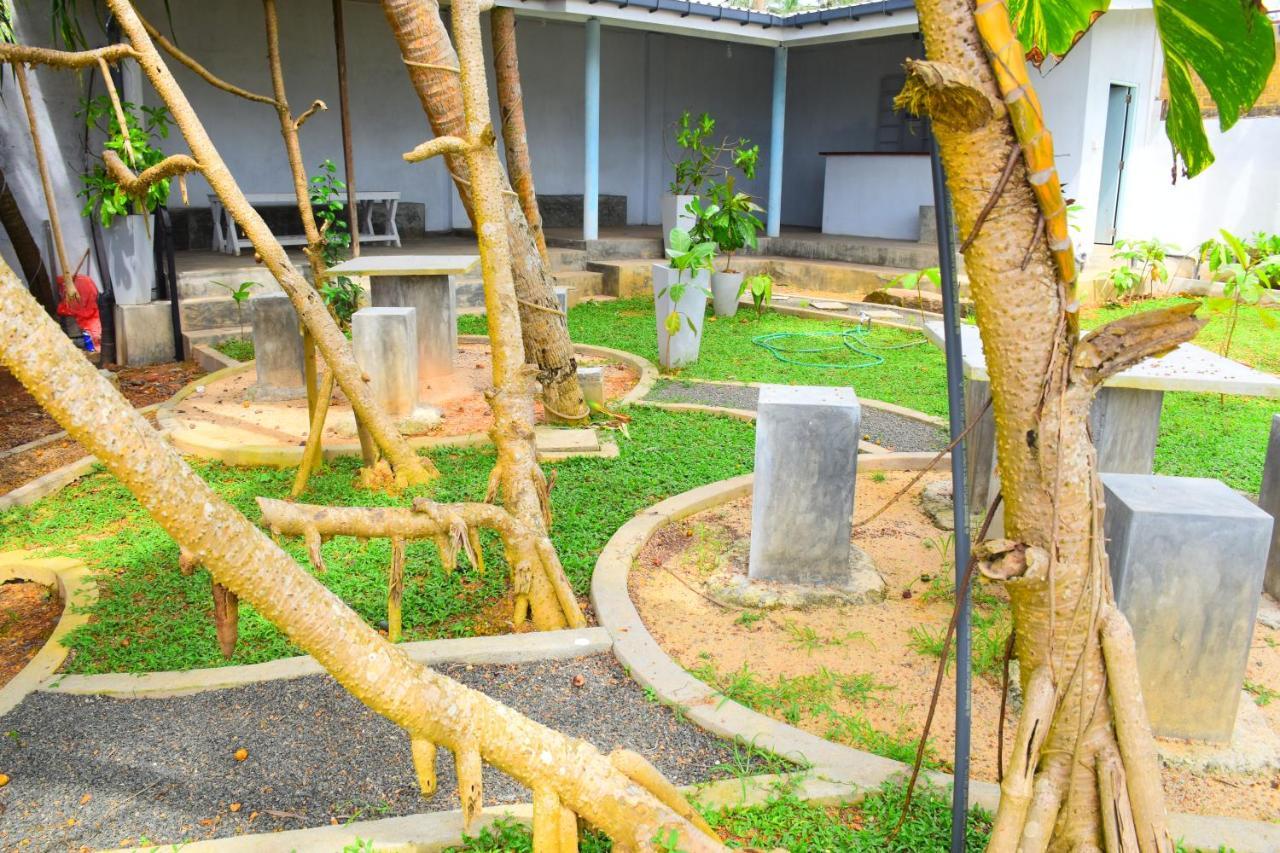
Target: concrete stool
<point>591,381</point>
<point>1187,557</point>
<point>1269,500</point>
<point>806,461</point>
<point>385,341</point>
<point>277,348</point>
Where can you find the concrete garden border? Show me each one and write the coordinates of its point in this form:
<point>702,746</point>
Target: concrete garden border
<point>654,669</point>
<point>78,591</point>
<point>248,455</point>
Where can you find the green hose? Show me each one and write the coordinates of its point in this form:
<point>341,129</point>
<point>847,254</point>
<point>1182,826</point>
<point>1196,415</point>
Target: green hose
<point>855,340</point>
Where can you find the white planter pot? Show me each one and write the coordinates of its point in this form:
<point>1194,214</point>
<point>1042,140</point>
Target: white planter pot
<point>674,215</point>
<point>724,292</point>
<point>680,349</point>
<point>130,261</point>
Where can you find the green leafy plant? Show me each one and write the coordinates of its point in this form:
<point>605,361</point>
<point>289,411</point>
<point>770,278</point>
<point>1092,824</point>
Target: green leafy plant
<point>917,279</point>
<point>729,220</point>
<point>239,295</point>
<point>1245,274</point>
<point>102,194</point>
<point>328,192</point>
<point>760,286</point>
<point>690,256</point>
<point>704,157</point>
<point>1143,263</point>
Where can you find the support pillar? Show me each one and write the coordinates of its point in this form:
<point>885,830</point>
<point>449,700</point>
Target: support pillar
<point>591,141</point>
<point>777,130</point>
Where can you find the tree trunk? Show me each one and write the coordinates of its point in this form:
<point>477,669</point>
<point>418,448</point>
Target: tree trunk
<point>27,249</point>
<point>1042,382</point>
<point>430,59</point>
<point>515,138</point>
<point>312,312</point>
<point>251,567</point>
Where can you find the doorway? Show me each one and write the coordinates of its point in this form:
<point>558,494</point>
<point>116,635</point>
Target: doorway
<point>1115,145</point>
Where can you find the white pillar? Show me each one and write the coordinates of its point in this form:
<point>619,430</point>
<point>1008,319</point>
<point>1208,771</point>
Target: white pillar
<point>591,141</point>
<point>776,132</point>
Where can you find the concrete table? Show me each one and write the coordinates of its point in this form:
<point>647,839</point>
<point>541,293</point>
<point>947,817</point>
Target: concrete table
<point>1125,420</point>
<point>424,283</point>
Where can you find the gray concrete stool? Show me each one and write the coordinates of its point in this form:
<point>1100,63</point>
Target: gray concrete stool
<point>277,348</point>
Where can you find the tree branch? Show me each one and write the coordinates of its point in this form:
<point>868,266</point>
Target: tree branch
<point>136,185</point>
<point>316,106</point>
<point>199,70</point>
<point>436,147</point>
<point>1123,343</point>
<point>112,53</point>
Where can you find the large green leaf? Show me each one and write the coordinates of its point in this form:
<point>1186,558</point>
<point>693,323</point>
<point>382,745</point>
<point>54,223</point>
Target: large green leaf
<point>1230,46</point>
<point>1052,27</point>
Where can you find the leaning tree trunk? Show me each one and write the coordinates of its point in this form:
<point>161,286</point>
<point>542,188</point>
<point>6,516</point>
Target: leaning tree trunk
<point>515,137</point>
<point>1084,735</point>
<point>26,248</point>
<point>616,793</point>
<point>432,64</point>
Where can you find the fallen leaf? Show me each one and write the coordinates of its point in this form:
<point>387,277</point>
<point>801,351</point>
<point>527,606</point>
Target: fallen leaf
<point>235,807</point>
<point>578,680</point>
<point>4,780</point>
<point>242,754</point>
<point>86,798</point>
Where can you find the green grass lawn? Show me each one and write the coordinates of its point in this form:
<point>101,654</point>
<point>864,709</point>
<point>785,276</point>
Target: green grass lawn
<point>150,617</point>
<point>1201,435</point>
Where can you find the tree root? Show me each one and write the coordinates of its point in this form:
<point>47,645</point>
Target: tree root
<point>424,764</point>
<point>1118,831</point>
<point>1019,778</point>
<point>453,528</point>
<point>466,760</point>
<point>226,618</point>
<point>395,588</point>
<point>636,768</point>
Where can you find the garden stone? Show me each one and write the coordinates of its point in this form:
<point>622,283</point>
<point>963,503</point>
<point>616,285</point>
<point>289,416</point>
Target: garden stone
<point>805,468</point>
<point>680,349</point>
<point>385,343</point>
<point>1187,557</point>
<point>1269,500</point>
<point>591,381</point>
<point>277,348</point>
<point>936,502</point>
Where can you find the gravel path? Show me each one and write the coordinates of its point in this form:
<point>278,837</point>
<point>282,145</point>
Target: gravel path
<point>97,772</point>
<point>886,429</point>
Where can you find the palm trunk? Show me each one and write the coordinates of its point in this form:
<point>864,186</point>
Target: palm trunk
<point>431,61</point>
<point>27,249</point>
<point>515,138</point>
<point>1043,381</point>
<point>312,312</point>
<point>249,566</point>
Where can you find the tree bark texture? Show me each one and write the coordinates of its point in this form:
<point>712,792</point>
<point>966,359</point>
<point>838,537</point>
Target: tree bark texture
<point>431,61</point>
<point>1042,381</point>
<point>248,565</point>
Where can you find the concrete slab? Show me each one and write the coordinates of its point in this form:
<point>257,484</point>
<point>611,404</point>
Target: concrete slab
<point>144,333</point>
<point>553,440</point>
<point>380,265</point>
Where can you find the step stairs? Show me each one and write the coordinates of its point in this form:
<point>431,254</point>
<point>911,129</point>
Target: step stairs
<point>632,277</point>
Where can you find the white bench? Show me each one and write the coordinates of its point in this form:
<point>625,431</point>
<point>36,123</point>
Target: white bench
<point>227,238</point>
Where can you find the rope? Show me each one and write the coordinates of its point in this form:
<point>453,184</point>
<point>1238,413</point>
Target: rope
<point>854,340</point>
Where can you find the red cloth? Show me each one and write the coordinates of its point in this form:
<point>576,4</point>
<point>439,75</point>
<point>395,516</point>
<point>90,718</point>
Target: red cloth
<point>84,309</point>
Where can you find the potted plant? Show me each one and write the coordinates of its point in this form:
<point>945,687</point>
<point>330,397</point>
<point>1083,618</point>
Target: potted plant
<point>680,294</point>
<point>730,222</point>
<point>701,159</point>
<point>127,231</point>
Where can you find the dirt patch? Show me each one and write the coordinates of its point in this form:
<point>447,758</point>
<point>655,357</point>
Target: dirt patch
<point>863,675</point>
<point>227,410</point>
<point>23,420</point>
<point>28,614</point>
<point>21,468</point>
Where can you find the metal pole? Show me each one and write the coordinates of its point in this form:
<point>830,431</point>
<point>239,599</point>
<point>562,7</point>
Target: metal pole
<point>955,405</point>
<point>348,156</point>
<point>777,132</point>
<point>591,139</point>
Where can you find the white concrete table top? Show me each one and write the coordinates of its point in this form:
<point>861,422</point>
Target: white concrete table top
<point>1187,368</point>
<point>377,265</point>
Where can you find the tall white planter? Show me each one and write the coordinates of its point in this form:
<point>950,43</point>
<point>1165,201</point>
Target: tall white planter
<point>674,215</point>
<point>724,292</point>
<point>680,349</point>
<point>130,261</point>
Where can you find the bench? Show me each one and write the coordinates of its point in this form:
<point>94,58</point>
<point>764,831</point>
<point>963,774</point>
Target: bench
<point>227,237</point>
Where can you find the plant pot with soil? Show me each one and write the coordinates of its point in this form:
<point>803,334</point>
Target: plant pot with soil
<point>729,221</point>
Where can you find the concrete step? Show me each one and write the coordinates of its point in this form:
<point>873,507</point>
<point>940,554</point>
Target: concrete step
<point>581,283</point>
<point>205,281</point>
<point>632,277</point>
<point>564,259</point>
<point>900,254</point>
<point>211,312</point>
<point>609,248</point>
<point>191,338</point>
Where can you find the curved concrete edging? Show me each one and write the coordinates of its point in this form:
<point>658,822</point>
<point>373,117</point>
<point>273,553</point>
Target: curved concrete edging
<point>653,668</point>
<point>500,648</point>
<point>239,454</point>
<point>77,590</point>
